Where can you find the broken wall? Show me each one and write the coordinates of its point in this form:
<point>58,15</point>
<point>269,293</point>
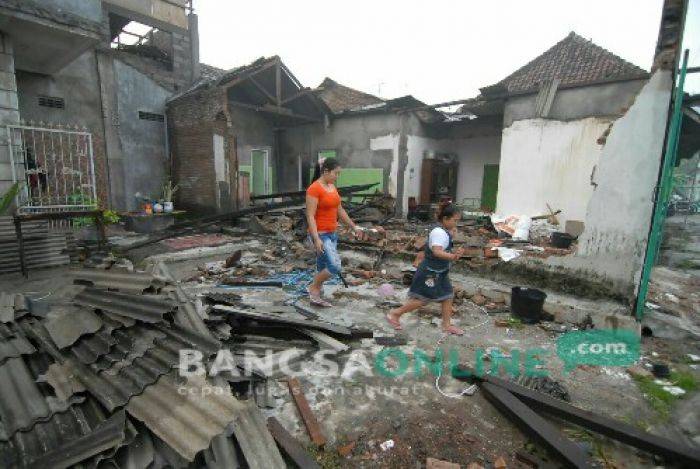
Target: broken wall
<point>613,244</point>
<point>208,154</point>
<point>551,159</point>
<point>549,162</point>
<point>360,141</point>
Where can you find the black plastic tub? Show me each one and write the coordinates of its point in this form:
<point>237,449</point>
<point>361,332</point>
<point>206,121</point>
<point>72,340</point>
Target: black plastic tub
<point>526,304</point>
<point>562,240</point>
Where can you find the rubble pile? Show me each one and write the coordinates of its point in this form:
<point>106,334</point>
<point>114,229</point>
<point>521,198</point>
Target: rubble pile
<point>98,380</point>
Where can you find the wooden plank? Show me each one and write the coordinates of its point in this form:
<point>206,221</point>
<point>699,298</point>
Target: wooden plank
<point>605,426</point>
<point>290,445</point>
<point>536,426</point>
<point>307,323</point>
<point>324,340</point>
<point>306,413</point>
<point>432,463</point>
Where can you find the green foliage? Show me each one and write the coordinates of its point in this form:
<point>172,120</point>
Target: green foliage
<point>661,400</point>
<point>8,197</point>
<point>110,216</point>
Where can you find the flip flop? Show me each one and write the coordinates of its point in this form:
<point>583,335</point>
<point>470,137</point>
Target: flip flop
<point>393,322</point>
<point>454,330</point>
<point>316,300</point>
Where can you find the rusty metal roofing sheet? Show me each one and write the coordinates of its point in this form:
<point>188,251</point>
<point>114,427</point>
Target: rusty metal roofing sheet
<point>173,410</point>
<point>69,325</point>
<point>144,308</point>
<point>133,282</point>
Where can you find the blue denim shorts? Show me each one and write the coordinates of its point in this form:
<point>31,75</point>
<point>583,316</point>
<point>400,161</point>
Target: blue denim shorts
<point>329,259</point>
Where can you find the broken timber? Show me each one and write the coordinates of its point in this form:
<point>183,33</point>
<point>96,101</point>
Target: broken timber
<point>536,426</point>
<point>306,323</point>
<point>324,340</point>
<point>307,415</point>
<point>341,190</point>
<point>290,445</point>
<point>184,228</point>
<point>605,426</point>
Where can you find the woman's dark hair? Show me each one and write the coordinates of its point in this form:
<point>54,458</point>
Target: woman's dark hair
<point>447,211</point>
<point>329,164</point>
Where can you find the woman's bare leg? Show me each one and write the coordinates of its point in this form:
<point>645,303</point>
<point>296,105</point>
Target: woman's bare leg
<point>447,311</point>
<point>317,283</point>
<point>395,314</point>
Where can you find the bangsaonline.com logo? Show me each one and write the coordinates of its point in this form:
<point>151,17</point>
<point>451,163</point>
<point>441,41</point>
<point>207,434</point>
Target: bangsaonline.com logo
<point>592,347</point>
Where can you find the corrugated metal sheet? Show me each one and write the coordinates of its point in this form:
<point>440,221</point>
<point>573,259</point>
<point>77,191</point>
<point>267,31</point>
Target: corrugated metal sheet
<point>22,404</point>
<point>30,229</point>
<point>141,307</point>
<point>91,348</point>
<point>13,343</point>
<point>186,314</point>
<point>69,325</point>
<point>132,282</point>
<point>187,416</point>
<point>40,253</point>
<point>66,439</point>
<point>255,440</point>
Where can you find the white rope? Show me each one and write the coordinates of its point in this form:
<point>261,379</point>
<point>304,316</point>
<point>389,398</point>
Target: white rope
<point>469,390</point>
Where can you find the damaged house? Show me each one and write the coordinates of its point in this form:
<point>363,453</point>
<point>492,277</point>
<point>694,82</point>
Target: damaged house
<point>84,86</point>
<point>544,137</point>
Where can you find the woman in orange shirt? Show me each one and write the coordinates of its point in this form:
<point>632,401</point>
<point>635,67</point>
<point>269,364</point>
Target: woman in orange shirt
<point>323,208</point>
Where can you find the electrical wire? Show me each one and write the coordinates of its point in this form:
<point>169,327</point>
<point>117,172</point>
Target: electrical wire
<point>469,390</point>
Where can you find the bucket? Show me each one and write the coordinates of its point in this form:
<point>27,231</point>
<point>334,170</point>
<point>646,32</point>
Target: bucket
<point>526,304</point>
<point>562,240</point>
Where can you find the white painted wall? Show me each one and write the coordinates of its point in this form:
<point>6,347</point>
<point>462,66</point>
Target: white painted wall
<point>549,162</point>
<point>472,155</point>
<point>618,218</point>
<point>389,142</point>
<point>220,166</point>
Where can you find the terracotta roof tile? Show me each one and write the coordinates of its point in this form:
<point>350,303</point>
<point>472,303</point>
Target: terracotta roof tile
<point>341,98</point>
<point>573,60</point>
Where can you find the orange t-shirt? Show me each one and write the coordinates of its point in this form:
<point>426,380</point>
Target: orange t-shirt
<point>327,210</point>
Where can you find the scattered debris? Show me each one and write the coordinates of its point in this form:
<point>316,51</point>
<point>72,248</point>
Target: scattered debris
<point>307,415</point>
<point>387,445</point>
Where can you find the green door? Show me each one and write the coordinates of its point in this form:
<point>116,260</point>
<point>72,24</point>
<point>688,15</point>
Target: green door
<point>258,161</point>
<point>489,187</point>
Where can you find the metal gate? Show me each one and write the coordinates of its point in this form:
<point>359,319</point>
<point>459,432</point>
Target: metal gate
<point>56,165</point>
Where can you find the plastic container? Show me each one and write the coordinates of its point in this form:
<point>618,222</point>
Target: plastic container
<point>562,240</point>
<point>526,304</point>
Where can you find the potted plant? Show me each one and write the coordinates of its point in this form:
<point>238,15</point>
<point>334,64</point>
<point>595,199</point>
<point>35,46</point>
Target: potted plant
<point>168,191</point>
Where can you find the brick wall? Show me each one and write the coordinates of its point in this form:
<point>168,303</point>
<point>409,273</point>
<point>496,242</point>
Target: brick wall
<point>192,122</point>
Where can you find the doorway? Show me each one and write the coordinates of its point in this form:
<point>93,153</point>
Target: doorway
<point>489,187</point>
<point>260,169</point>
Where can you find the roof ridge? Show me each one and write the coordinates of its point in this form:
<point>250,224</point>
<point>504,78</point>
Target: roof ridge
<point>575,60</point>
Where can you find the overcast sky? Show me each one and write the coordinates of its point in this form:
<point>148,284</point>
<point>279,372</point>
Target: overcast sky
<point>436,50</point>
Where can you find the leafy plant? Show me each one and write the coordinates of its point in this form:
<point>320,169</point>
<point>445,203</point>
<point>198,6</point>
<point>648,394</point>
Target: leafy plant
<point>8,197</point>
<point>169,190</point>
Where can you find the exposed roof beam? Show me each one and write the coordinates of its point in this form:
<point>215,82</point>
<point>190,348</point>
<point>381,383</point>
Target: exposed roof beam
<point>262,89</point>
<point>271,109</point>
<point>298,95</point>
